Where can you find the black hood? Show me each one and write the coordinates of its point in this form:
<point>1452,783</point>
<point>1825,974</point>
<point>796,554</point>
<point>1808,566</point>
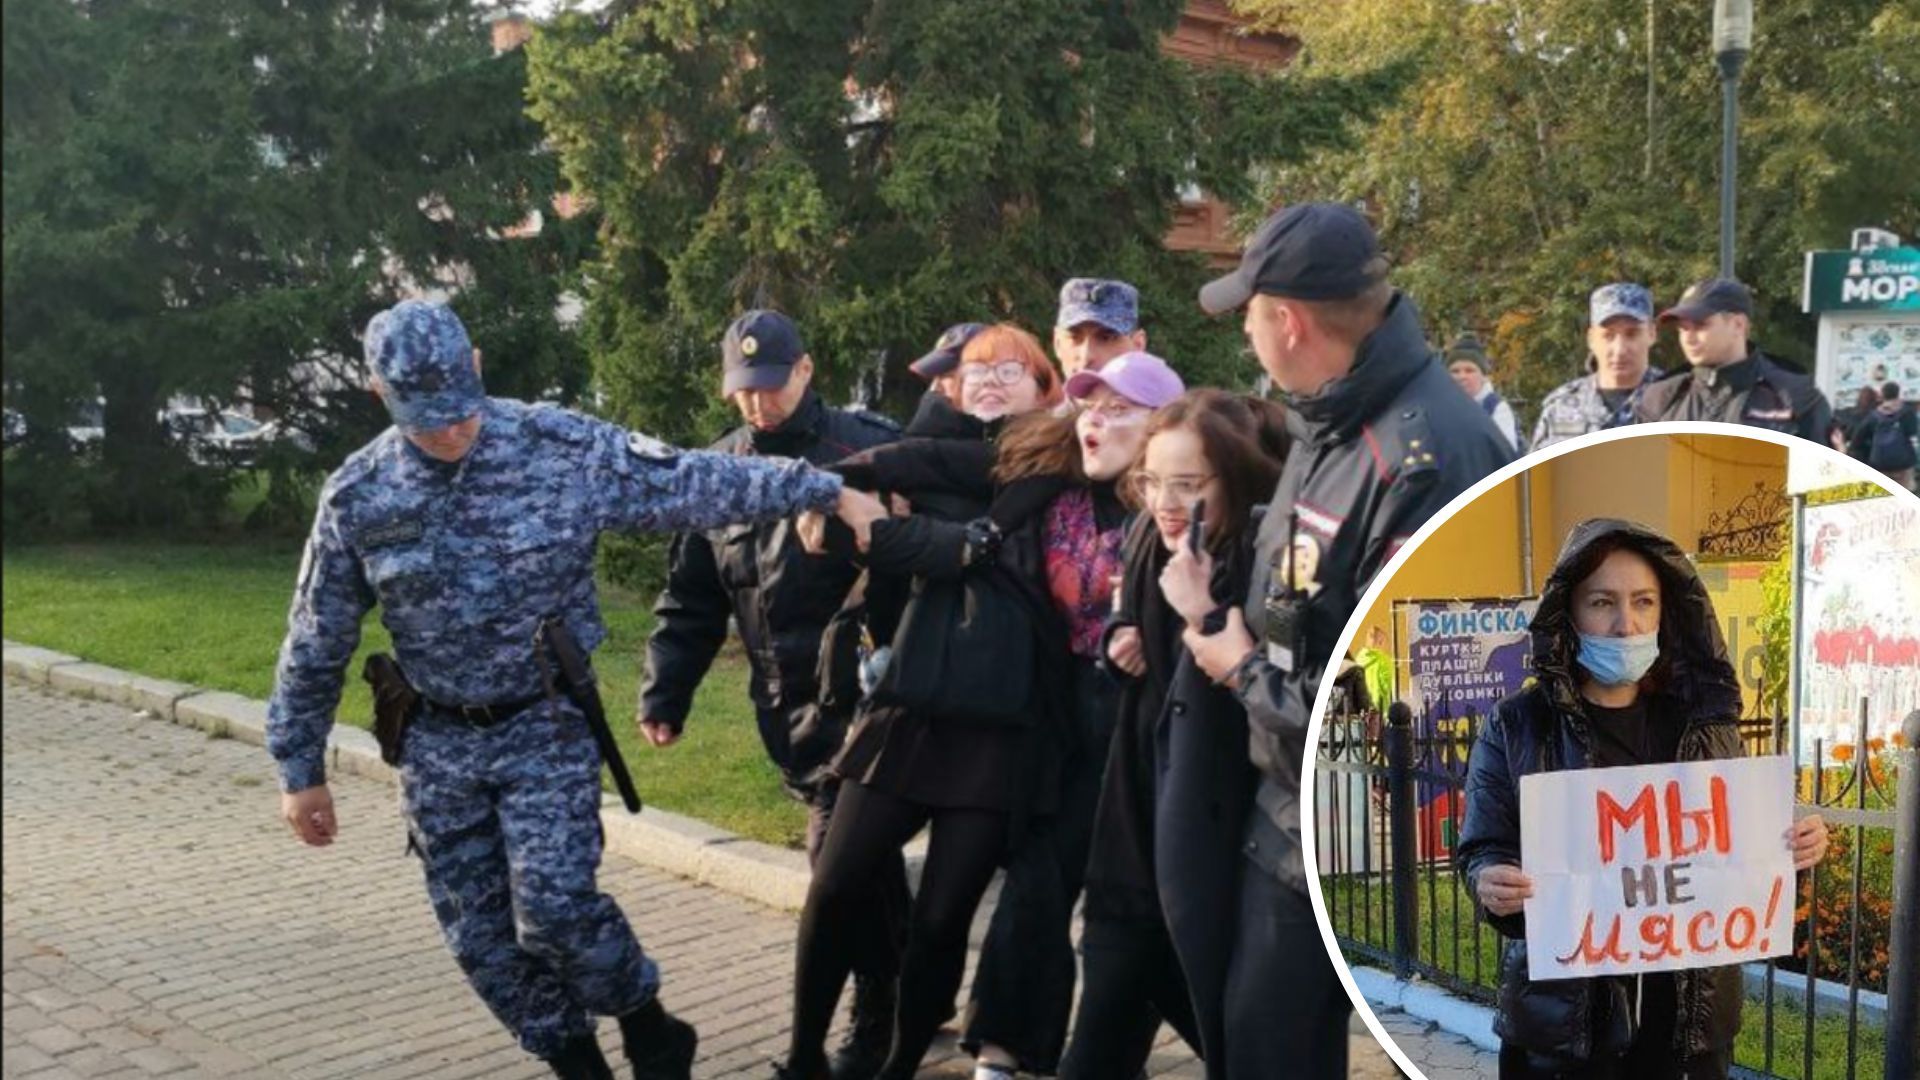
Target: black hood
<point>1385,362</point>
<point>1693,669</point>
<point>939,418</point>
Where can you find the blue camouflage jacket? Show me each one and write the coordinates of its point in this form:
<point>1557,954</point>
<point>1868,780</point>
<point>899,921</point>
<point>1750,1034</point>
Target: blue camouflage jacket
<point>464,559</point>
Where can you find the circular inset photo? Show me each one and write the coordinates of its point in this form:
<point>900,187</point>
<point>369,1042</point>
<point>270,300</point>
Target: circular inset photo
<point>1608,771</point>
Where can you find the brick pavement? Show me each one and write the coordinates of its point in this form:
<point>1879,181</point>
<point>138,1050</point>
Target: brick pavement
<point>159,921</point>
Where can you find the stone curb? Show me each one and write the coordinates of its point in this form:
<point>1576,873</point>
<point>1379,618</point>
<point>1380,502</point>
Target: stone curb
<point>660,839</point>
<point>1472,1022</point>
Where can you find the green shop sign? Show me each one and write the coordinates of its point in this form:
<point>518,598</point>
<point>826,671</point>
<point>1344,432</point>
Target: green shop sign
<point>1883,280</point>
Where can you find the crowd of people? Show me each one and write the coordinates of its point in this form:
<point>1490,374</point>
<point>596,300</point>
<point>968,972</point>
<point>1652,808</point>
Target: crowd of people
<point>1070,620</point>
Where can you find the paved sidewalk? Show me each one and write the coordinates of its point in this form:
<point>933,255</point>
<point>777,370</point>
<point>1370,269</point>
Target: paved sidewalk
<point>1440,1054</point>
<point>159,921</point>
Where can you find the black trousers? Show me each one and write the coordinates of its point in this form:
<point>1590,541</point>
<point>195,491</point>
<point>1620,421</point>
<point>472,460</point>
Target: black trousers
<point>868,828</point>
<point>882,938</point>
<point>1132,982</point>
<point>1286,1010</point>
<point>1649,1057</point>
<point>1023,987</point>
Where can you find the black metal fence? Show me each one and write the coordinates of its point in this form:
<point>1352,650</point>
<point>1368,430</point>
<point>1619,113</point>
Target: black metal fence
<point>1388,802</point>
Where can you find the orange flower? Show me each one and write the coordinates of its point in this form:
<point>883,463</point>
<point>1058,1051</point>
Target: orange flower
<point>1843,752</point>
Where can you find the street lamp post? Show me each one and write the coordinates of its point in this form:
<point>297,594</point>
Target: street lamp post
<point>1732,41</point>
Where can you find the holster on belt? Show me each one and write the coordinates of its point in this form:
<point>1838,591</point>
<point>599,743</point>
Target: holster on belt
<point>394,704</point>
<point>564,669</point>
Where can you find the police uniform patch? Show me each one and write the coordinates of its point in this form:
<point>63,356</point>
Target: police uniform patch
<point>648,448</point>
<point>384,533</point>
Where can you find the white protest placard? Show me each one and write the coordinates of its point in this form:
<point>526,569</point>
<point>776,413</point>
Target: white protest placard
<point>1657,867</point>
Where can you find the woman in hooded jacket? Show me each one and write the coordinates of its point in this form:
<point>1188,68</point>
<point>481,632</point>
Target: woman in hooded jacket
<point>1162,880</point>
<point>1630,670</point>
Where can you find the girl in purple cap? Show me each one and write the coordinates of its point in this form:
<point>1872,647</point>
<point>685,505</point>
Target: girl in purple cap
<point>1023,989</point>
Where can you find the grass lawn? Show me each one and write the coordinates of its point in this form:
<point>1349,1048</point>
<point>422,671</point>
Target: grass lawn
<point>1349,904</point>
<point>213,614</point>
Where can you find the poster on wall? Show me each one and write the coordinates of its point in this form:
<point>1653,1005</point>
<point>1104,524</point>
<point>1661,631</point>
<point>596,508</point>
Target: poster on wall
<point>1859,632</point>
<point>1868,352</point>
<point>1462,657</point>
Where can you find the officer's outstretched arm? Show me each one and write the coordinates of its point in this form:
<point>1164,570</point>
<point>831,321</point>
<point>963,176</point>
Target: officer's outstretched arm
<point>640,484</point>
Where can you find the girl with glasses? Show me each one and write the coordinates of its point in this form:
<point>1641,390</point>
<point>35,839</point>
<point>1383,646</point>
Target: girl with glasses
<point>1162,880</point>
<point>969,783</point>
<point>1023,989</point>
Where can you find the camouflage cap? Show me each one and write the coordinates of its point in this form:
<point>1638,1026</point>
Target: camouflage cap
<point>1113,304</point>
<point>1618,299</point>
<point>424,361</point>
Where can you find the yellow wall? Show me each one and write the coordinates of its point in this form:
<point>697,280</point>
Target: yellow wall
<point>1673,483</point>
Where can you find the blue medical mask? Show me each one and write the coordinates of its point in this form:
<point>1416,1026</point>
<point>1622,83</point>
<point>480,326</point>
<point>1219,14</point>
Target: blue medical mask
<point>1618,661</point>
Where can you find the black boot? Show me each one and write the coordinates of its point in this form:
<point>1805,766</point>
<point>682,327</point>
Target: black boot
<point>580,1059</point>
<point>870,1036</point>
<point>782,1071</point>
<point>659,1045</point>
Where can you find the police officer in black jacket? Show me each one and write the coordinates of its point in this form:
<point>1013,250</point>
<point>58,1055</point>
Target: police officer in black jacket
<point>1732,381</point>
<point>782,599</point>
<point>1382,439</point>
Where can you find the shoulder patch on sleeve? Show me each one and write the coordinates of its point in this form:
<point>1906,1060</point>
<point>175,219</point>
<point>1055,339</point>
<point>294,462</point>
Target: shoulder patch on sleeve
<point>648,448</point>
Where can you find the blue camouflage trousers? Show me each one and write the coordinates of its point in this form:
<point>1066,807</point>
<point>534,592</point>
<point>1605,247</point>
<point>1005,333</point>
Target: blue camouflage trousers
<point>507,823</point>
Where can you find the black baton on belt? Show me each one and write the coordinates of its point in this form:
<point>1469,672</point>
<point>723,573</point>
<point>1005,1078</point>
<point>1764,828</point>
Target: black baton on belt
<point>577,682</point>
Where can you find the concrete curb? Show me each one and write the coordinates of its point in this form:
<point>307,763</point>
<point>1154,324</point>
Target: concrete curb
<point>660,839</point>
<point>1472,1022</point>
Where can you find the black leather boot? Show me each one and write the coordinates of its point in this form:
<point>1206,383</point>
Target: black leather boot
<point>580,1059</point>
<point>659,1045</point>
<point>870,1036</point>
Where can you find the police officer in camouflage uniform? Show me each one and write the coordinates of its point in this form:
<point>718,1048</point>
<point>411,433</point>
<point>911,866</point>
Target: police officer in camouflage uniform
<point>468,522</point>
<point>782,599</point>
<point>1619,338</point>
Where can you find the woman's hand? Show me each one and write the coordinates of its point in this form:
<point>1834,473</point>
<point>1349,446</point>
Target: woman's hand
<point>1808,839</point>
<point>811,528</point>
<point>1187,583</point>
<point>1503,890</point>
<point>1126,652</point>
<point>860,510</point>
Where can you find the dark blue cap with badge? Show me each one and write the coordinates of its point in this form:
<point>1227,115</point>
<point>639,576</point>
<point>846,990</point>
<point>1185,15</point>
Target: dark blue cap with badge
<point>946,352</point>
<point>1715,296</point>
<point>759,352</point>
<point>425,364</point>
<point>1311,251</point>
<point>1112,304</point>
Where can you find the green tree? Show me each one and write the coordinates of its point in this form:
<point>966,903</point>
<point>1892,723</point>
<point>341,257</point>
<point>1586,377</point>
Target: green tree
<point>211,197</point>
<point>879,170</point>
<point>1547,148</point>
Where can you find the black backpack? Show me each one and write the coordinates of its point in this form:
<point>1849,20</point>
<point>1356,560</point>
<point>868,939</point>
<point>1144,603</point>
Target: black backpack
<point>1891,450</point>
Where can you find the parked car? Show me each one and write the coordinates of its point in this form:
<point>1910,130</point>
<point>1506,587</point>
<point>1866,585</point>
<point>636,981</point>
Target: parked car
<point>222,437</point>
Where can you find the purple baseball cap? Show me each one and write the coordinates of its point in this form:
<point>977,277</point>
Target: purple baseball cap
<point>1140,377</point>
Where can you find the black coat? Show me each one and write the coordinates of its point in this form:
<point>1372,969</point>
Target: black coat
<point>1544,728</point>
<point>781,597</point>
<point>1756,392</point>
<point>941,468</point>
<point>1375,454</point>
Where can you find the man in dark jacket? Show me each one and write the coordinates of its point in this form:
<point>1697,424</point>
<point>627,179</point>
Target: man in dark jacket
<point>1382,439</point>
<point>1595,707</point>
<point>1732,381</point>
<point>781,598</point>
